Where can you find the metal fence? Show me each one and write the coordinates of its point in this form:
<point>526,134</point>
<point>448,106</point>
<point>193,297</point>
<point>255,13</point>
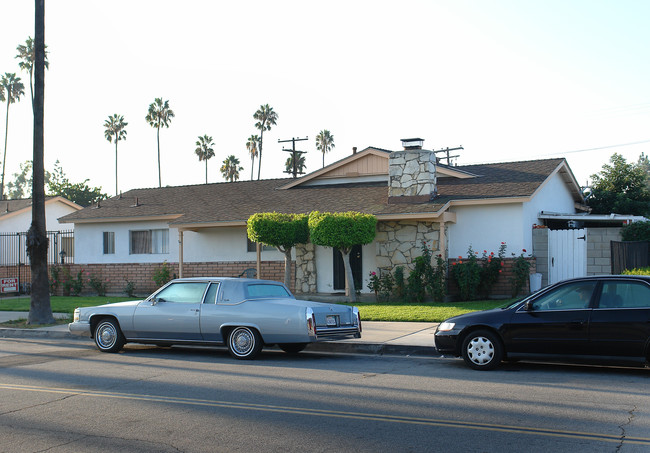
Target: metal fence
<point>13,248</point>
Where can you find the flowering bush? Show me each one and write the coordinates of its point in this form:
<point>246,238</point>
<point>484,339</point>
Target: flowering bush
<point>162,274</point>
<point>98,285</point>
<point>521,273</point>
<point>467,274</point>
<point>437,286</point>
<point>491,268</point>
<point>55,279</point>
<point>76,284</point>
<point>381,285</point>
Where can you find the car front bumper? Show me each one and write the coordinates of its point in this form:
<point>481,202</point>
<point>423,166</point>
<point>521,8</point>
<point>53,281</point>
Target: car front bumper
<point>447,342</point>
<point>79,328</point>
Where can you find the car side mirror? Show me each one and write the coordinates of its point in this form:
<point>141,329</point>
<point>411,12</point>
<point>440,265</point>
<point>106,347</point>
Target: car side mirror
<point>528,306</point>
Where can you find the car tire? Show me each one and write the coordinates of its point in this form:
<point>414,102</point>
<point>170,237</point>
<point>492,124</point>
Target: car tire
<point>244,343</point>
<point>108,335</point>
<point>292,348</point>
<point>482,350</point>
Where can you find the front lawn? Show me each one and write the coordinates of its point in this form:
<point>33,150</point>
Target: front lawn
<point>388,311</point>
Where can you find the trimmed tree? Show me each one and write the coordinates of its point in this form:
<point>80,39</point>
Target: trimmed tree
<point>342,230</point>
<point>282,231</point>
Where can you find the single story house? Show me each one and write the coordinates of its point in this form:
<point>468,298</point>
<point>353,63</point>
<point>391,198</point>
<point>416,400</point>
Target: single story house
<point>201,229</point>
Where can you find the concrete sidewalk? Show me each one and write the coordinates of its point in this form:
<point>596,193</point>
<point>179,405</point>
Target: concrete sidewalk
<point>397,338</point>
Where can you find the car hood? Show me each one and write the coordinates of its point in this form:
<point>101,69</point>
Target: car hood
<point>479,316</point>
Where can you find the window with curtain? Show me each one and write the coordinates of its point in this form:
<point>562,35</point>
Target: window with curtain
<point>149,241</point>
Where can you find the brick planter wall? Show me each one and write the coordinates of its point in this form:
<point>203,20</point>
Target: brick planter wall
<point>142,274</point>
<point>502,287</point>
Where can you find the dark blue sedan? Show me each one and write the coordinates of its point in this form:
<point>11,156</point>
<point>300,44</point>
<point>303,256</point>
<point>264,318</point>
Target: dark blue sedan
<point>601,316</point>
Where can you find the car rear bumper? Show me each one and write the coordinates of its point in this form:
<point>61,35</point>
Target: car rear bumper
<point>337,333</point>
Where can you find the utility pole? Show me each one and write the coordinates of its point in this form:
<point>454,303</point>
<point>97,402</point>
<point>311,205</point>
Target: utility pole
<point>446,151</point>
<point>294,155</point>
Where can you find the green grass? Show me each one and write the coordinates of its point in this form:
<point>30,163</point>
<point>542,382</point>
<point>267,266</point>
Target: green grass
<point>425,312</point>
<point>387,311</point>
<point>60,304</point>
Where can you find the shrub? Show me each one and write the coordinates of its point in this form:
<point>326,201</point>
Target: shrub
<point>55,279</point>
<point>637,231</point>
<point>520,272</point>
<point>400,289</point>
<point>638,271</point>
<point>467,274</point>
<point>129,288</point>
<point>437,285</point>
<point>381,285</point>
<point>491,268</point>
<point>77,284</point>
<point>99,285</point>
<point>162,274</point>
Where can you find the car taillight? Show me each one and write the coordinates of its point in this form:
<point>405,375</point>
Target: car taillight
<point>356,313</point>
<point>311,322</point>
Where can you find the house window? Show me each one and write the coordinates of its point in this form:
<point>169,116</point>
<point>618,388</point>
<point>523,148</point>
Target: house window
<point>148,242</point>
<point>109,243</point>
<point>252,246</point>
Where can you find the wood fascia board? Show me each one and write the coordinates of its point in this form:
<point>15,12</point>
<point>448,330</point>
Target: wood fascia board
<point>123,219</point>
<point>334,166</point>
<point>454,173</point>
<point>483,201</point>
<point>572,184</point>
<point>65,201</point>
<point>200,226</point>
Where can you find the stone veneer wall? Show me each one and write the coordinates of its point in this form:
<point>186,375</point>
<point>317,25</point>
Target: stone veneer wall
<point>306,268</point>
<point>399,242</point>
<point>411,173</point>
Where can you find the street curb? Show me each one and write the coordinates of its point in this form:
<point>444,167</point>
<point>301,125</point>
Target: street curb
<point>329,346</point>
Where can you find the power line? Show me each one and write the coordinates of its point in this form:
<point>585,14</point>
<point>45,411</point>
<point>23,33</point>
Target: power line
<point>601,147</point>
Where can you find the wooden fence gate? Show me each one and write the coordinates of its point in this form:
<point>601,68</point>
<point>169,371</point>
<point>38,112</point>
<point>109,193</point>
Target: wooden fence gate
<point>567,254</point>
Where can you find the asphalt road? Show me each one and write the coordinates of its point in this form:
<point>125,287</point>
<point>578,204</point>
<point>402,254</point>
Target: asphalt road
<point>68,397</point>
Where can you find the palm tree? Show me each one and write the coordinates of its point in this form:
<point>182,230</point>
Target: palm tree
<point>251,146</point>
<point>11,89</point>
<point>266,118</point>
<point>26,55</point>
<point>324,142</point>
<point>115,129</point>
<point>159,115</point>
<point>204,151</point>
<point>40,310</point>
<point>230,169</point>
<point>300,165</point>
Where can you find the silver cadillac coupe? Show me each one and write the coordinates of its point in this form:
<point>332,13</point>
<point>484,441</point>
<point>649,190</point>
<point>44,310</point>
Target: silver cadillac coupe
<point>244,314</point>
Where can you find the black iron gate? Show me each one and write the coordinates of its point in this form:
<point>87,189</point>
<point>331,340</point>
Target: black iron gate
<point>14,262</point>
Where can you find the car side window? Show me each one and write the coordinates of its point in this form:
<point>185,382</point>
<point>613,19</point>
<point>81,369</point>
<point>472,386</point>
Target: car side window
<point>257,291</point>
<point>211,295</point>
<point>183,292</point>
<point>625,295</point>
<point>572,296</point>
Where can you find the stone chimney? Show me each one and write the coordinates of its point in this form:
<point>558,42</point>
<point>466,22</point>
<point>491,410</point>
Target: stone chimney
<point>411,173</point>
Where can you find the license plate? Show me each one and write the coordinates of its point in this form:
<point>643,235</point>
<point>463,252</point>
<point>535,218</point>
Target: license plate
<point>331,321</point>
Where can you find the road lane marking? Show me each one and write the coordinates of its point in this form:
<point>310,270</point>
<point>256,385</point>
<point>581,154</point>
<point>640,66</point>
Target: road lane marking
<point>333,414</point>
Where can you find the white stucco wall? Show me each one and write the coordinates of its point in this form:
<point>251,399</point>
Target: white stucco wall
<point>21,221</point>
<point>485,227</point>
<point>217,244</point>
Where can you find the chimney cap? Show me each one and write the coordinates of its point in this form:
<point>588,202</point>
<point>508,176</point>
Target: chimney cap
<point>412,143</point>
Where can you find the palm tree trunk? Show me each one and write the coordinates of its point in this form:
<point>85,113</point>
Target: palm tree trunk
<point>116,192</point>
<point>4,159</point>
<point>158,141</point>
<point>40,310</point>
<point>252,167</point>
<point>206,171</point>
<point>259,158</point>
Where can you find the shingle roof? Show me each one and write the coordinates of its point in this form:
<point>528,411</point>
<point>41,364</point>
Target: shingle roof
<point>236,201</point>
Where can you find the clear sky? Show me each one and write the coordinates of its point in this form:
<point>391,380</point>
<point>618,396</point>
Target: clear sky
<point>507,80</point>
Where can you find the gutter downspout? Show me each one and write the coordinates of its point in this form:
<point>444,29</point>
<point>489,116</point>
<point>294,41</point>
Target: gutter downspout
<point>180,253</point>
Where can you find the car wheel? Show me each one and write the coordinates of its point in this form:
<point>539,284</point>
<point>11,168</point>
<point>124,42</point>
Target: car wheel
<point>292,348</point>
<point>244,343</point>
<point>482,350</point>
<point>108,336</point>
